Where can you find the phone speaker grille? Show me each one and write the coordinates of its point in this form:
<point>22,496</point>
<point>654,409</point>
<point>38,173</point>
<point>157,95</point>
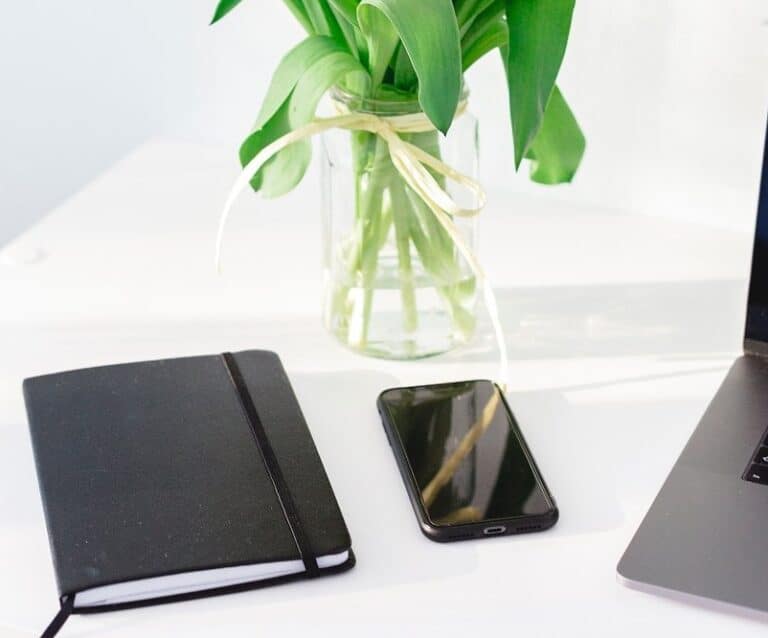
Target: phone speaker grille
<point>527,528</point>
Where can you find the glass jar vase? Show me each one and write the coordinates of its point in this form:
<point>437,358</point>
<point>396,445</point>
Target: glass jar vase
<point>395,283</point>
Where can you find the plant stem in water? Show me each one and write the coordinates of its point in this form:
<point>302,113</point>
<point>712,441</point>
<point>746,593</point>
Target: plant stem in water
<point>401,212</point>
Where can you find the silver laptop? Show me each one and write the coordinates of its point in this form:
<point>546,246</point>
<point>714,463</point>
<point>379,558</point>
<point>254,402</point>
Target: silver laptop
<point>706,533</point>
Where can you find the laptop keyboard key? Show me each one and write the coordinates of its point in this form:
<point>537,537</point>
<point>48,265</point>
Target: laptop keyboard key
<point>762,456</point>
<point>757,474</point>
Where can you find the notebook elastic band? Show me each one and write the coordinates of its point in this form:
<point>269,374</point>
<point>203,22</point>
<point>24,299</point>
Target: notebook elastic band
<point>272,465</point>
<point>67,602</point>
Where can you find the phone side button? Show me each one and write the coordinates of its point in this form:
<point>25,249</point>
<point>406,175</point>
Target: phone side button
<point>389,437</point>
<point>386,430</point>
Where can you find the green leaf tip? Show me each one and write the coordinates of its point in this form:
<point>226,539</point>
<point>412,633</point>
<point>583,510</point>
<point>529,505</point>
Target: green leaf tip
<point>223,8</point>
<point>558,148</point>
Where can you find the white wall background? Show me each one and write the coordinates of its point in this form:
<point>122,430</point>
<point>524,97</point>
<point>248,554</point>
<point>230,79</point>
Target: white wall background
<point>672,95</point>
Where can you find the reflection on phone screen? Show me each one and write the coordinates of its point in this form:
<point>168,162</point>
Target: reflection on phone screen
<point>464,453</point>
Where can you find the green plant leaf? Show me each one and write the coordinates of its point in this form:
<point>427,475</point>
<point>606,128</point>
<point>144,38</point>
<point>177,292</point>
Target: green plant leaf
<point>382,39</point>
<point>350,33</point>
<point>430,36</point>
<point>302,77</point>
<point>479,23</point>
<point>289,166</point>
<point>405,76</point>
<point>483,37</point>
<point>324,22</point>
<point>293,65</point>
<point>332,69</point>
<point>283,171</point>
<point>346,12</point>
<point>467,11</point>
<point>223,8</point>
<point>538,34</point>
<point>296,7</point>
<point>558,147</point>
<point>346,8</point>
<point>273,119</point>
<point>495,36</point>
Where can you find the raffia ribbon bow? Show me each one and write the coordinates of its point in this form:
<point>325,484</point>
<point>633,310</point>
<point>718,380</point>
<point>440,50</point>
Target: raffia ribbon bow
<point>412,163</point>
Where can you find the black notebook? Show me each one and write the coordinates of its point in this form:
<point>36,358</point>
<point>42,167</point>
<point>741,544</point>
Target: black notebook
<point>166,480</point>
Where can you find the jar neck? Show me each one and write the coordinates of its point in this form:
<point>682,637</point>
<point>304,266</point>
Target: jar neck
<point>383,105</point>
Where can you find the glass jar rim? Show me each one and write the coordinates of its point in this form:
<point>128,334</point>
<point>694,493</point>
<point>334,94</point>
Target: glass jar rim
<point>383,105</point>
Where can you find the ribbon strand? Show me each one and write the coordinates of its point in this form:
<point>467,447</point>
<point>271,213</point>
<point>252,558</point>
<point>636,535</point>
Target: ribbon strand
<point>411,163</point>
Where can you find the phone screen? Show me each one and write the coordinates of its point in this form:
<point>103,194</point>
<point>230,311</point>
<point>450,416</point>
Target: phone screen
<point>464,452</point>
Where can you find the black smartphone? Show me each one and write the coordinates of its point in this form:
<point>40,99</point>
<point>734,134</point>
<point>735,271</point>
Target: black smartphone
<point>466,466</point>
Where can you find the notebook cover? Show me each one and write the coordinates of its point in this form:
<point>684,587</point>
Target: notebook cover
<point>152,468</point>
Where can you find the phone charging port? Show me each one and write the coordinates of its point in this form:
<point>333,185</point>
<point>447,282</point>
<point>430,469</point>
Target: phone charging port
<point>495,529</point>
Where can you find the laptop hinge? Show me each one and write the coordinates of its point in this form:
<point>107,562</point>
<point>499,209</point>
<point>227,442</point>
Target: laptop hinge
<point>755,348</point>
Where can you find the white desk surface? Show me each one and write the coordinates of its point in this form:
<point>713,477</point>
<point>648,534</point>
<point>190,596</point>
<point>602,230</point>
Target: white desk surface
<point>620,328</point>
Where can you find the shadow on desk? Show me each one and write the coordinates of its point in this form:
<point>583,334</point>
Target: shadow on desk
<point>701,319</point>
<point>595,437</point>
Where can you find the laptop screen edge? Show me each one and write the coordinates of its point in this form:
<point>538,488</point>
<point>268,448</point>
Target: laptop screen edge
<point>756,329</point>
